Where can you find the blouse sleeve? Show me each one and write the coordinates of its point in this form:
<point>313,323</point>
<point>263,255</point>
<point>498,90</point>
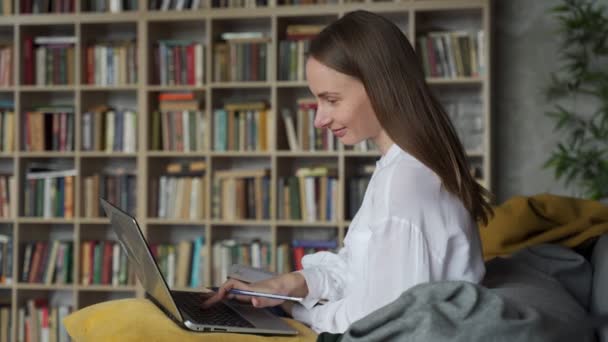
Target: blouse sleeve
<point>326,274</point>
<point>398,258</point>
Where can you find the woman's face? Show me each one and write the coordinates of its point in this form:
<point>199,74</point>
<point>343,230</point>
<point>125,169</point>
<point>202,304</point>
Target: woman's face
<point>343,104</point>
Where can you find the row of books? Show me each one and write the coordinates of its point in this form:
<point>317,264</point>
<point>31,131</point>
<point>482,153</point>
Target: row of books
<point>289,256</point>
<point>179,124</point>
<point>49,194</point>
<point>227,252</point>
<point>181,191</point>
<point>110,130</point>
<point>242,57</point>
<point>47,129</point>
<point>5,323</point>
<point>356,187</point>
<point>112,6</point>
<point>302,135</point>
<point>241,194</point>
<point>6,259</point>
<point>6,64</point>
<point>311,195</point>
<point>47,6</point>
<point>113,63</point>
<point>466,114</point>
<point>179,62</point>
<point>47,262</point>
<point>104,263</point>
<point>293,50</point>
<point>238,3</point>
<point>38,321</point>
<point>453,54</point>
<point>183,264</point>
<point>306,2</point>
<point>7,129</point>
<point>117,186</point>
<point>48,60</point>
<point>179,5</point>
<point>7,191</point>
<point>242,127</point>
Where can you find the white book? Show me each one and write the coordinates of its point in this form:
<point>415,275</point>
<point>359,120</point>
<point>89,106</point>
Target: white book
<point>50,269</point>
<point>63,334</point>
<point>115,263</point>
<point>186,130</point>
<point>55,40</point>
<point>48,198</point>
<point>162,197</point>
<point>200,137</point>
<point>21,325</point>
<point>292,139</point>
<point>311,205</point>
<point>129,131</point>
<point>171,267</point>
<point>115,6</point>
<point>41,66</point>
<point>195,195</point>
<point>199,62</point>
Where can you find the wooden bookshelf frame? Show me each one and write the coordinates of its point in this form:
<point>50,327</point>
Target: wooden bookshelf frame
<point>142,19</point>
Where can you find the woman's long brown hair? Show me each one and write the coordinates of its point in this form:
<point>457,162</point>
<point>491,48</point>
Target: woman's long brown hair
<point>373,49</point>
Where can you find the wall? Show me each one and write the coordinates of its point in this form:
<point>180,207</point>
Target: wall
<point>525,53</point>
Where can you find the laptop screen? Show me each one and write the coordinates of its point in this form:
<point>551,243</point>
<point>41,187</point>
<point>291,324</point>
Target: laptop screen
<point>134,244</point>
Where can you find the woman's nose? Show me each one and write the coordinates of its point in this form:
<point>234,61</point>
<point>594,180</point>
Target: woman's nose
<point>322,120</point>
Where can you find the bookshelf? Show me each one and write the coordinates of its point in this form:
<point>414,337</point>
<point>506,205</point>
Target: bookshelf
<point>138,162</point>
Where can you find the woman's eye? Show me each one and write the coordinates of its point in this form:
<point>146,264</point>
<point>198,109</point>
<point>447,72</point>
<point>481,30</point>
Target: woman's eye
<point>332,101</point>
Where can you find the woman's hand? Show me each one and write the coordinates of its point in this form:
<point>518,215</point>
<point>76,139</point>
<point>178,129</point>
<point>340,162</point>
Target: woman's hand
<point>290,284</point>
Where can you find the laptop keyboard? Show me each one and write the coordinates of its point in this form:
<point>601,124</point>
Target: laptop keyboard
<point>218,314</point>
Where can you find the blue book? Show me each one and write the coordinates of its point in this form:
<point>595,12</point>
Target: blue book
<point>196,259</point>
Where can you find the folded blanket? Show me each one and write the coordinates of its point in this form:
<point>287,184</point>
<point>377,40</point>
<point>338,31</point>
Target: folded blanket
<point>528,297</point>
<point>526,221</point>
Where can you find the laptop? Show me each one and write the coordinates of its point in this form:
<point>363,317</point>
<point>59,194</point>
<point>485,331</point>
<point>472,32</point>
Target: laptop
<point>185,307</point>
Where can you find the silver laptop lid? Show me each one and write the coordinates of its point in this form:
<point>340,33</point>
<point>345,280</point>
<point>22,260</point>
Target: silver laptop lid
<point>134,244</point>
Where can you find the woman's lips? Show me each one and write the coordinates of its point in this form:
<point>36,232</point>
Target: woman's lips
<point>339,132</point>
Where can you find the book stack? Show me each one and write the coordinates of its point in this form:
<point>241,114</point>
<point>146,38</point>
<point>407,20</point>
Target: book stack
<point>289,256</point>
<point>452,54</point>
<point>49,60</point>
<point>311,195</point>
<point>47,6</point>
<point>241,194</point>
<point>7,191</point>
<point>302,135</point>
<point>241,57</point>
<point>293,50</point>
<point>47,262</point>
<point>104,263</point>
<point>182,265</point>
<point>112,6</point>
<point>179,124</point>
<point>179,62</point>
<point>6,259</point>
<point>6,63</point>
<point>109,129</point>
<point>7,129</point>
<point>112,63</point>
<point>49,194</point>
<point>242,127</point>
<point>38,321</point>
<point>116,186</point>
<point>181,191</point>
<point>255,253</point>
<point>357,184</point>
<point>49,129</point>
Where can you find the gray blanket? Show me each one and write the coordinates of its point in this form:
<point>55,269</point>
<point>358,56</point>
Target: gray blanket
<point>539,294</point>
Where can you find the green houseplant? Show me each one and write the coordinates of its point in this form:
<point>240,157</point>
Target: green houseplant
<point>578,92</point>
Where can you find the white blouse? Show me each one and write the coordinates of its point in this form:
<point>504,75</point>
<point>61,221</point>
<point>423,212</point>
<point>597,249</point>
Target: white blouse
<point>409,230</point>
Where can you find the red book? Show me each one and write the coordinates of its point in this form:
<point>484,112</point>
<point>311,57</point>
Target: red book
<point>92,261</point>
<point>35,264</point>
<point>191,67</point>
<point>106,270</point>
<point>298,254</point>
<point>175,96</point>
<point>28,60</point>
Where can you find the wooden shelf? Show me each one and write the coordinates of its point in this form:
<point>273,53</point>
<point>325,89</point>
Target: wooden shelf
<point>291,223</point>
<point>106,288</point>
<point>38,286</point>
<point>126,87</point>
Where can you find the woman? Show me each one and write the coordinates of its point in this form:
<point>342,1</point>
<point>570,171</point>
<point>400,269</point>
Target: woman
<point>417,222</point>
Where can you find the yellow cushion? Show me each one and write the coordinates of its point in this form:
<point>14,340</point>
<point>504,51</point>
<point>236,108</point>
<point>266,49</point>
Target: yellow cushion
<point>141,320</point>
